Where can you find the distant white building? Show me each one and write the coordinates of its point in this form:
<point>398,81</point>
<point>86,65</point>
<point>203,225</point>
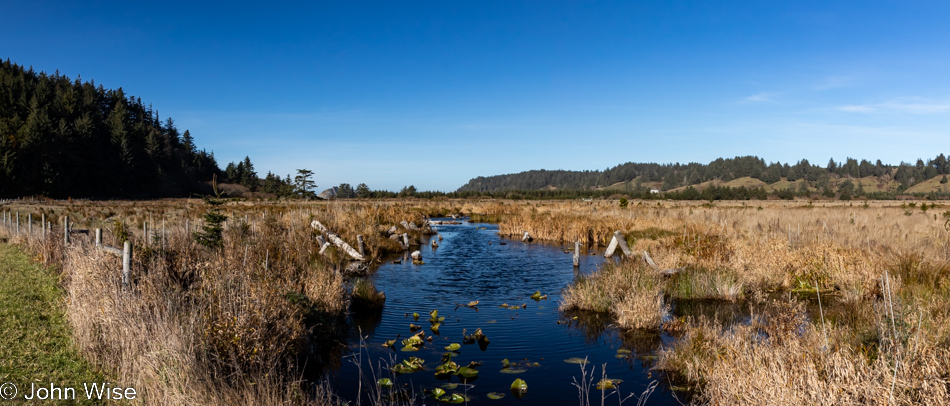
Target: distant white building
<point>654,191</point>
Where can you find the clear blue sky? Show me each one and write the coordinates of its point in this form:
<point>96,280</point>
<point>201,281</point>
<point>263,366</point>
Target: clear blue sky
<point>434,93</point>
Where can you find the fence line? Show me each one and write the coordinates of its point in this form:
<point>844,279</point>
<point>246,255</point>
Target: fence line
<point>11,222</point>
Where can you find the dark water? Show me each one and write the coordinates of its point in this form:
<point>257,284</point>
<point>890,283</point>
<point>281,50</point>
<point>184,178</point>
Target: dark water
<point>471,264</point>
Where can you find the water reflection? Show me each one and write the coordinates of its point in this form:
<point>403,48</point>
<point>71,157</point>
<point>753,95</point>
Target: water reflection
<point>471,264</point>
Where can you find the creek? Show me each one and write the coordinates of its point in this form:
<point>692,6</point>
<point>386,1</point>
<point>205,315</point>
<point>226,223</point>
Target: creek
<point>474,263</point>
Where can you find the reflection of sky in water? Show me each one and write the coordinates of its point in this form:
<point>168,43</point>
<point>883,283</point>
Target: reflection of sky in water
<point>472,264</point>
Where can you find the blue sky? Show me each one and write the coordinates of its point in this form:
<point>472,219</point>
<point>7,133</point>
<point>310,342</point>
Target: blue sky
<point>435,93</point>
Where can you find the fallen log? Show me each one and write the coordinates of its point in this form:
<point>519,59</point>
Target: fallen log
<point>336,240</point>
<point>618,241</point>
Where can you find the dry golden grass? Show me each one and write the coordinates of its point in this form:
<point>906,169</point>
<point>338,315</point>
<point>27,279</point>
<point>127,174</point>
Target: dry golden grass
<point>782,359</point>
<point>626,290</point>
<point>222,327</point>
<point>858,255</point>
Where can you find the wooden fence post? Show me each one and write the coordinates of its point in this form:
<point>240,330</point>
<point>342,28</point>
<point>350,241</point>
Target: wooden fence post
<point>145,231</point>
<point>43,223</point>
<point>98,237</point>
<point>66,229</point>
<point>126,262</point>
<point>577,254</point>
<point>17,223</point>
<point>361,246</point>
<point>29,223</point>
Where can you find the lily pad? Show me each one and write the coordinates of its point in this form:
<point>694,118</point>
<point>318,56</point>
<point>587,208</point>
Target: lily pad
<point>575,360</point>
<point>409,348</point>
<point>450,386</point>
<point>410,365</point>
<point>491,321</point>
<point>455,398</point>
<point>415,340</point>
<point>505,363</point>
<point>447,368</point>
<point>467,372</point>
<point>389,343</point>
<point>453,347</point>
<point>438,392</point>
<point>519,388</point>
<point>495,395</point>
<point>537,296</point>
<point>512,370</point>
<point>435,327</point>
<point>385,383</point>
<point>607,384</point>
<point>415,316</point>
<point>414,327</point>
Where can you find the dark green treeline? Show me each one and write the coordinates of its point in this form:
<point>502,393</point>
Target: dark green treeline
<point>62,138</point>
<point>677,175</point>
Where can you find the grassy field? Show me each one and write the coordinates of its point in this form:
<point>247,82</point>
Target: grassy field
<point>228,324</point>
<point>36,344</point>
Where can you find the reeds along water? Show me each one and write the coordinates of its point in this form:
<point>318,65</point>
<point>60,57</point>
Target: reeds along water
<point>883,266</point>
<point>200,324</point>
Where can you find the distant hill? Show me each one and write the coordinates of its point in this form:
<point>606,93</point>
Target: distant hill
<point>855,178</point>
<point>62,137</point>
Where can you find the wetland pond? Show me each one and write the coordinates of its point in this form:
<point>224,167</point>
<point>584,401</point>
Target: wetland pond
<point>474,263</point>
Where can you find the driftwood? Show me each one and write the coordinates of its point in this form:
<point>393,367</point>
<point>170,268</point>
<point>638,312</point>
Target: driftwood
<point>443,222</point>
<point>646,257</point>
<point>323,244</point>
<point>392,230</point>
<point>405,240</point>
<point>664,272</point>
<point>336,240</point>
<point>527,237</point>
<point>356,268</point>
<point>618,241</point>
<point>435,243</point>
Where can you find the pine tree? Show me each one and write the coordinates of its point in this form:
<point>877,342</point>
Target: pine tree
<point>303,185</point>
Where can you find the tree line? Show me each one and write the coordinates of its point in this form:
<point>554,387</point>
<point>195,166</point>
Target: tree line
<point>673,176</point>
<point>62,137</point>
<point>72,138</point>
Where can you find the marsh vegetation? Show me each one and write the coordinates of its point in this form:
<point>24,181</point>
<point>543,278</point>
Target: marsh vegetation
<point>827,302</point>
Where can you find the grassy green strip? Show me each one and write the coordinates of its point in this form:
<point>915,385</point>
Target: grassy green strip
<point>35,345</point>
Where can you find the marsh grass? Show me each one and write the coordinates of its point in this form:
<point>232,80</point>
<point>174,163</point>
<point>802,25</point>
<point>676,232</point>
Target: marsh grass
<point>365,296</point>
<point>628,290</point>
<point>229,326</point>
